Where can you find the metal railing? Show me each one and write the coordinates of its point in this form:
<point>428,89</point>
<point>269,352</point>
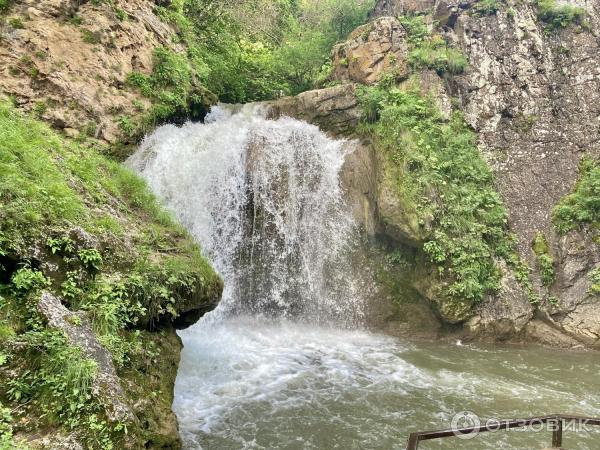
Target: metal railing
<point>559,423</point>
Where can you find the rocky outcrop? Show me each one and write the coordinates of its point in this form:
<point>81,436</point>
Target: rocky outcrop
<point>68,61</point>
<point>401,7</point>
<point>505,315</point>
<point>334,109</point>
<point>532,94</point>
<point>371,51</point>
<point>79,333</point>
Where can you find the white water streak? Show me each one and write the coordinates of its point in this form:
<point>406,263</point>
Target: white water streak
<point>263,197</point>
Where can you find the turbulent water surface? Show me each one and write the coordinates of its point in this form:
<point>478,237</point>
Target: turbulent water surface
<point>282,363</point>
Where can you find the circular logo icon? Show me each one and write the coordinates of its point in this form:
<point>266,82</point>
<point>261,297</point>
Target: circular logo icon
<point>465,419</point>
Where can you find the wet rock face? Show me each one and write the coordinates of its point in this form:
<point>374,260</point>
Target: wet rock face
<point>534,98</point>
<point>533,95</point>
<point>504,315</point>
<point>577,312</point>
<point>70,60</point>
<point>371,51</point>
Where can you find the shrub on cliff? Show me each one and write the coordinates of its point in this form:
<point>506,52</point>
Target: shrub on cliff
<point>441,175</point>
<point>430,51</point>
<point>558,16</point>
<point>582,206</point>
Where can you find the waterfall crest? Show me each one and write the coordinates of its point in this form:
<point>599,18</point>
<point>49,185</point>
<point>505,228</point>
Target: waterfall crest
<point>263,197</point>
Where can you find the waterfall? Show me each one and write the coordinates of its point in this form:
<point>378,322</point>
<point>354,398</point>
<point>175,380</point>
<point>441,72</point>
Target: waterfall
<point>280,363</point>
<point>263,197</point>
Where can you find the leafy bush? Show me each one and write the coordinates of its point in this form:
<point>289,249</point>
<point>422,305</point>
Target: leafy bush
<point>487,7</point>
<point>27,279</point>
<point>546,263</point>
<point>583,205</point>
<point>559,16</point>
<point>5,419</point>
<point>416,29</point>
<point>441,175</point>
<point>594,277</point>
<point>61,245</point>
<point>90,258</point>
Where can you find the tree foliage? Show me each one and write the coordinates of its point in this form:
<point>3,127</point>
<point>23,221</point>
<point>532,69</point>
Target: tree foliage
<point>259,49</point>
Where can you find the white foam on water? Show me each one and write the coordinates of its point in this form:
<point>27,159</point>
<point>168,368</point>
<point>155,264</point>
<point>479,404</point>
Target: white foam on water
<point>280,363</point>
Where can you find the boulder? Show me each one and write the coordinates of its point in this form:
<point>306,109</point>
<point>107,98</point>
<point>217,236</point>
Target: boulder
<point>504,315</point>
<point>334,109</point>
<point>546,334</point>
<point>372,50</point>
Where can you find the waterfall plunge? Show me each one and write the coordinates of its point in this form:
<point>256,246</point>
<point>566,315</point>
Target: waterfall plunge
<point>264,200</point>
<point>263,197</point>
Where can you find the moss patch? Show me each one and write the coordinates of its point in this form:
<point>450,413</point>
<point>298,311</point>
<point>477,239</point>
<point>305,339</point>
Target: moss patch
<point>441,176</point>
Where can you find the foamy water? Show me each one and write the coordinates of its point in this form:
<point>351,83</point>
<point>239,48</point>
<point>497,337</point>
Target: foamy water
<point>245,383</point>
<point>282,362</point>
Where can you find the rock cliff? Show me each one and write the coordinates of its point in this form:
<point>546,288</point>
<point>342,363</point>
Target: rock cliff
<point>530,91</point>
<point>68,61</point>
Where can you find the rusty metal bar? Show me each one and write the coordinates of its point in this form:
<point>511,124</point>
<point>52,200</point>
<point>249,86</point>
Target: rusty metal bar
<point>557,435</point>
<point>415,438</point>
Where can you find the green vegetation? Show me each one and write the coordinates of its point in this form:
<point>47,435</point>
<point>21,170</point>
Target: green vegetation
<point>439,173</point>
<point>16,22</point>
<point>544,259</point>
<point>487,7</point>
<point>259,49</point>
<point>594,277</point>
<point>174,90</point>
<point>4,5</point>
<point>430,51</point>
<point>557,16</point>
<point>118,260</point>
<point>582,206</point>
<point>91,37</point>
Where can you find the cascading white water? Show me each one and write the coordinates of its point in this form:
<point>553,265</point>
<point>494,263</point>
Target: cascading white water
<point>275,365</point>
<point>264,199</point>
